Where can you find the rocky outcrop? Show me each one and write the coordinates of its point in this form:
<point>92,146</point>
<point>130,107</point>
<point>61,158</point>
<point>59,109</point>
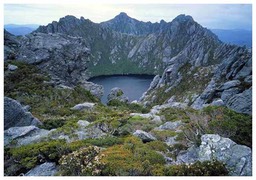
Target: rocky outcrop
<point>16,116</point>
<point>45,169</point>
<point>62,56</point>
<point>117,94</point>
<point>237,158</point>
<point>144,136</point>
<point>95,89</point>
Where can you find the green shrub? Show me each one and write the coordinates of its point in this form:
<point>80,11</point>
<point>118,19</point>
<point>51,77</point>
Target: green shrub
<point>104,142</point>
<point>158,146</point>
<point>164,134</point>
<point>138,122</point>
<point>206,168</point>
<point>52,123</point>
<point>131,158</point>
<point>128,106</point>
<point>29,156</point>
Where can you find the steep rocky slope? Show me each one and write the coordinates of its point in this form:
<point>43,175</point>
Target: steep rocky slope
<point>113,51</point>
<point>181,51</point>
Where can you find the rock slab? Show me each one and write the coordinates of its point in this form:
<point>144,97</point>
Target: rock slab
<point>45,169</point>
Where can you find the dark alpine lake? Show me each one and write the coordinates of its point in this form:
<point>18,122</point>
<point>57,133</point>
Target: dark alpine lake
<point>133,86</point>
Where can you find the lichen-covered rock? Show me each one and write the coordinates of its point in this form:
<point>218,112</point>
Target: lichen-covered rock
<point>45,169</point>
<point>238,158</point>
<point>144,136</point>
<point>16,116</point>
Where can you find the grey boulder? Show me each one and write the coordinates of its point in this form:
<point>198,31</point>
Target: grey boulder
<point>18,136</point>
<point>144,136</point>
<point>12,67</point>
<point>83,106</point>
<point>15,115</point>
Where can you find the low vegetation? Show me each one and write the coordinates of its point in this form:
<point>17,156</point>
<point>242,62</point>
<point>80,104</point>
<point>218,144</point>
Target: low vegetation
<point>31,87</point>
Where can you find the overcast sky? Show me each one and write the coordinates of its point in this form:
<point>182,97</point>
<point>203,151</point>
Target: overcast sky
<point>221,16</point>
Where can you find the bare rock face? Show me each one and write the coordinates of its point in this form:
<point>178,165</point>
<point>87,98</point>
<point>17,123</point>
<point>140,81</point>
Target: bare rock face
<point>62,56</point>
<point>16,116</point>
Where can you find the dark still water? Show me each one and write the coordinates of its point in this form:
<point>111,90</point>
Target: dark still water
<point>133,86</point>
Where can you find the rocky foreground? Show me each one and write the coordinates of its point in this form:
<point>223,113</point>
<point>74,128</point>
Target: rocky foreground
<point>195,119</point>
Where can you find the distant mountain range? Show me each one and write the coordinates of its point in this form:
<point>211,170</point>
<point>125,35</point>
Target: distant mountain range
<point>239,37</point>
<point>18,29</point>
<point>234,36</point>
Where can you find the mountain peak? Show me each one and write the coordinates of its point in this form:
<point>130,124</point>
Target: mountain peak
<point>122,15</point>
<point>183,18</point>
